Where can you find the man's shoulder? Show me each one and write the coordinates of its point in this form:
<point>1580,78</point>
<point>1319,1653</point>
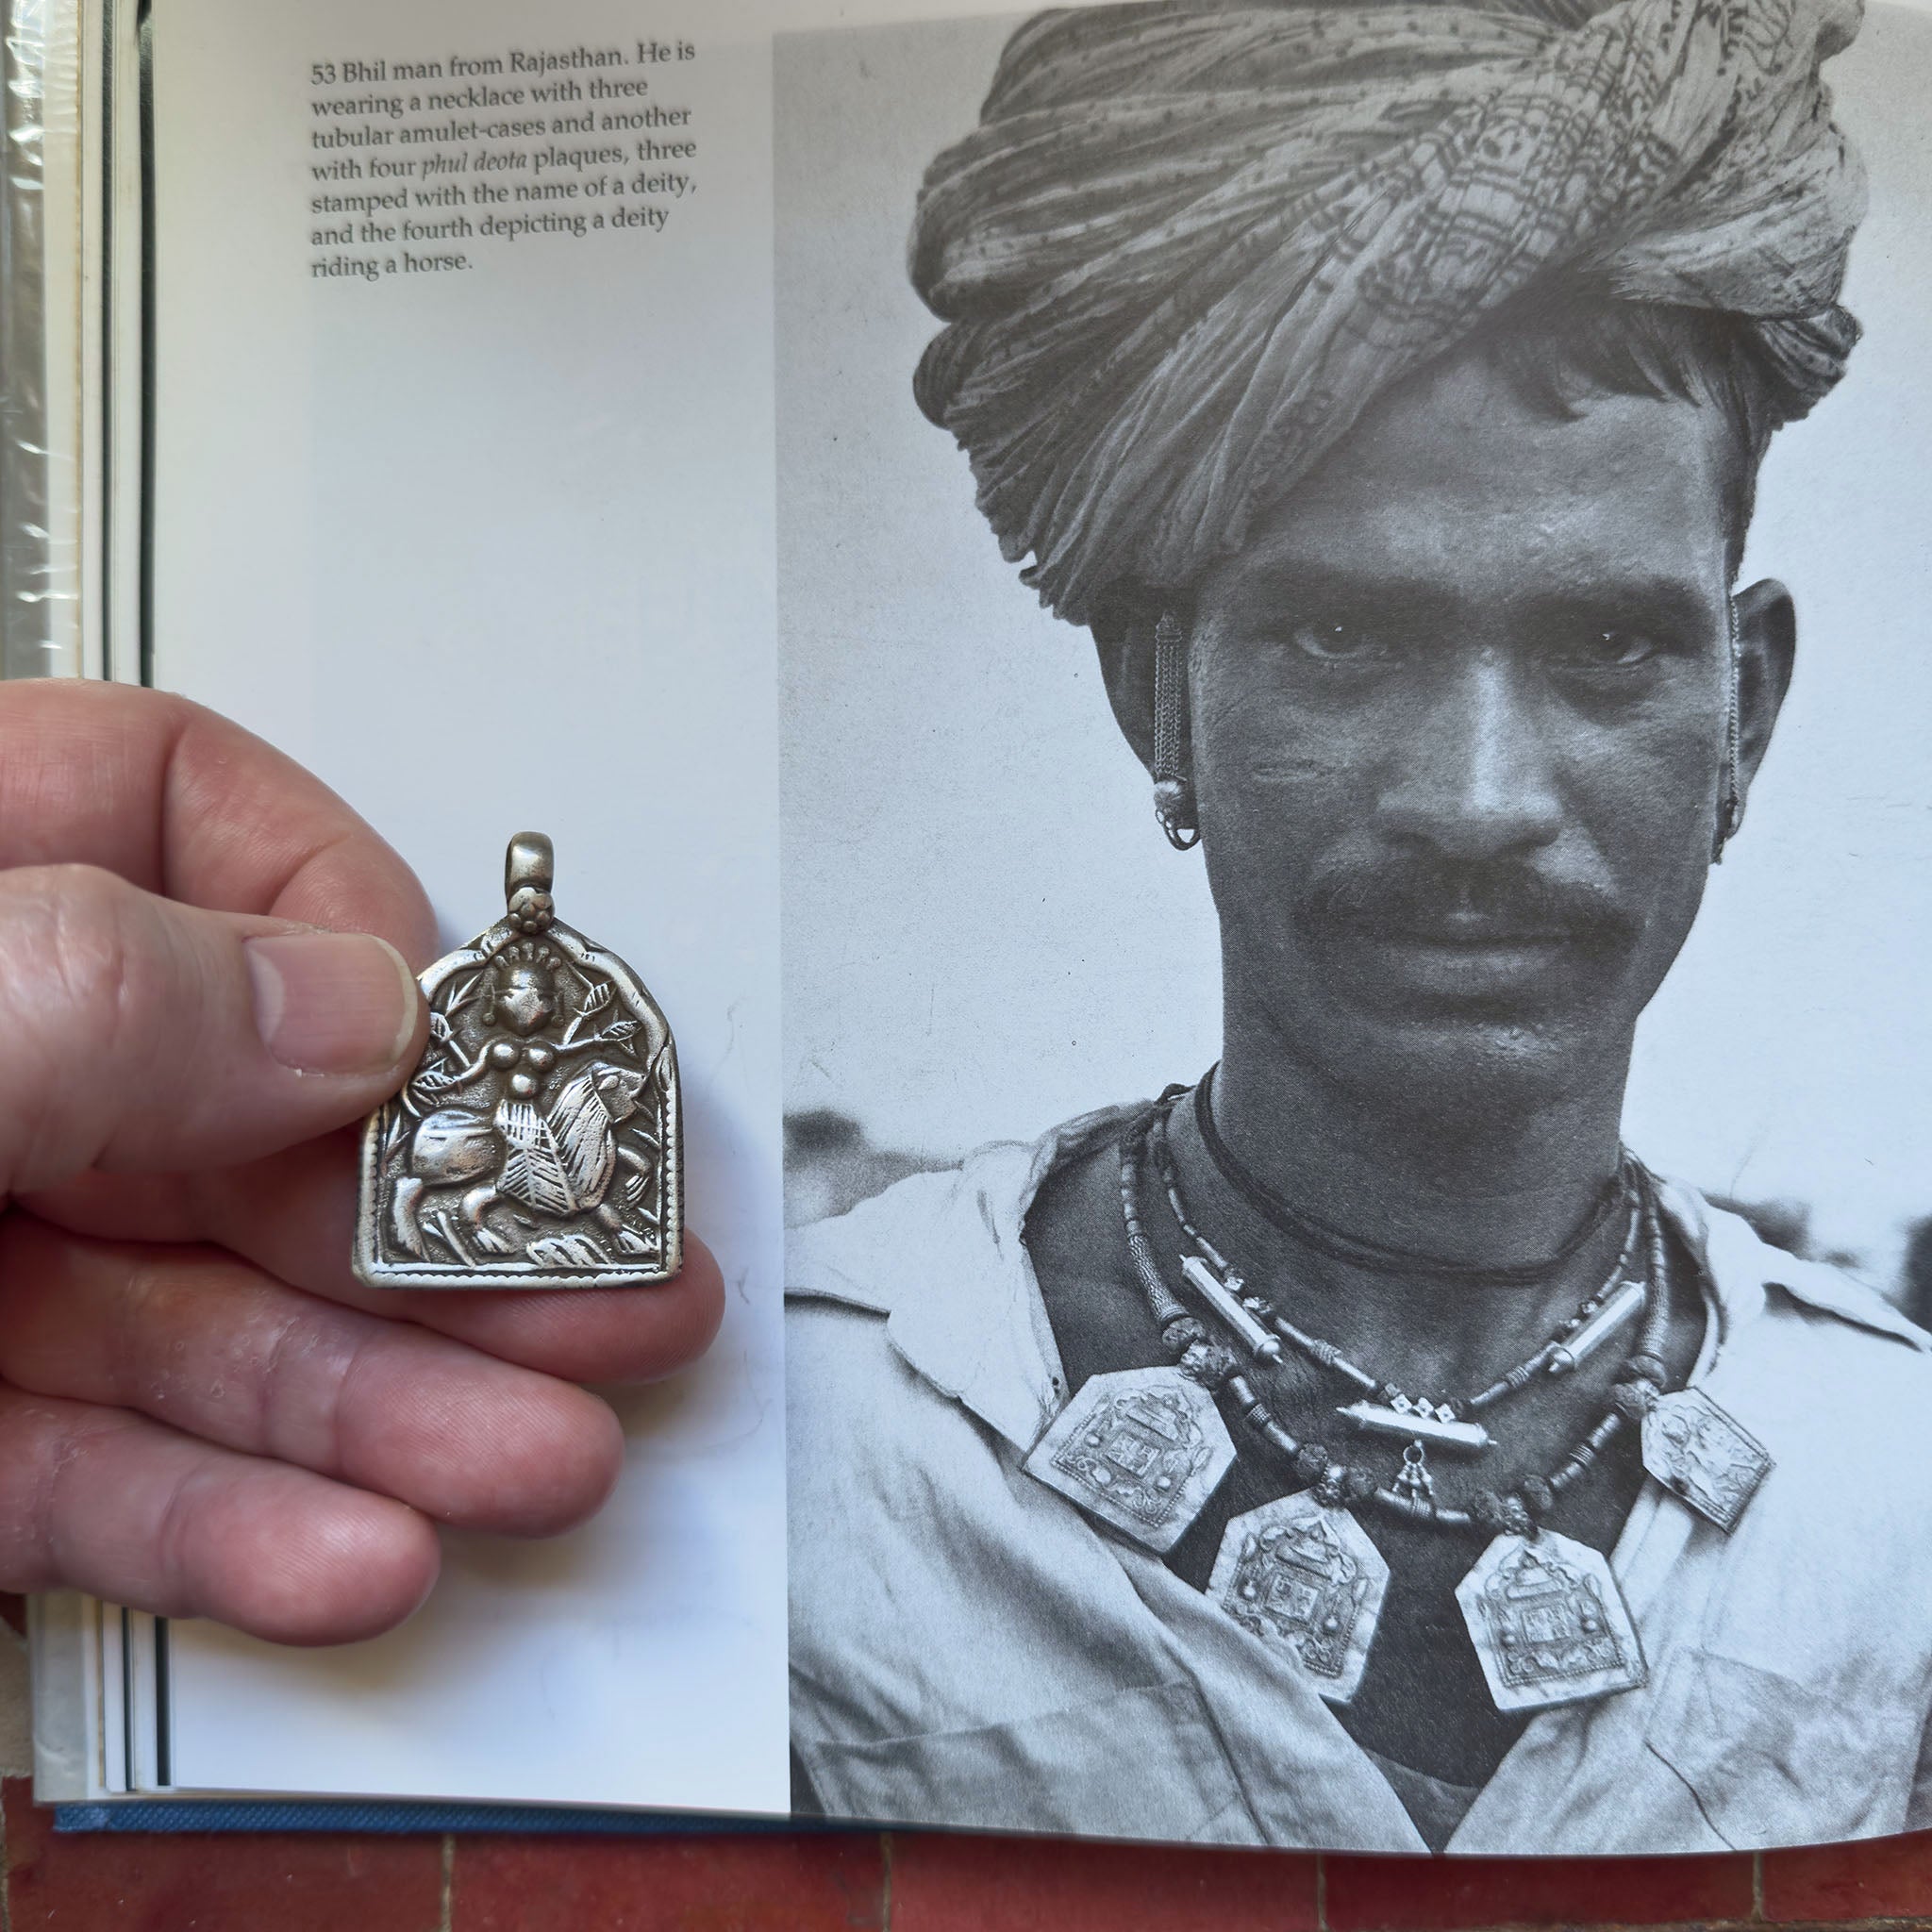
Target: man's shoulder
<point>936,1224</point>
<point>943,1258</point>
<point>1831,1377</point>
<point>1859,1370</point>
<point>1803,1302</point>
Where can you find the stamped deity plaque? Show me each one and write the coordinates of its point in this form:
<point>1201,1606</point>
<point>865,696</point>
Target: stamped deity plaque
<point>1305,1580</point>
<point>1698,1451</point>
<point>537,1143</point>
<point>1142,1449</point>
<point>1549,1623</point>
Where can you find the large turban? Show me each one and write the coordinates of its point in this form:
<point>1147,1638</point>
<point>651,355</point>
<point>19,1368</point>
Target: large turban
<point>1189,243</point>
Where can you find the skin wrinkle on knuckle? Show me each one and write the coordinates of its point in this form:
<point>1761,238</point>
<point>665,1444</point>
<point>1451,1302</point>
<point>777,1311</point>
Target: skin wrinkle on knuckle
<point>316,858</point>
<point>75,960</point>
<point>174,1524</point>
<point>343,1391</point>
<point>256,1389</point>
<point>131,1331</point>
<point>73,1441</point>
<point>268,1382</point>
<point>29,1495</point>
<point>32,1067</point>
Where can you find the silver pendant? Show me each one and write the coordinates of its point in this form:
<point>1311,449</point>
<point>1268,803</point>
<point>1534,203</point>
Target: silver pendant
<point>1698,1451</point>
<point>1414,1478</point>
<point>1548,1623</point>
<point>538,1142</point>
<point>1142,1449</point>
<point>1405,1416</point>
<point>1307,1580</point>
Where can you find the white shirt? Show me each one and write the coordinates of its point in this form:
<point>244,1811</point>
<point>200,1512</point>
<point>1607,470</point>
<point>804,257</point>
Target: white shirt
<point>967,1648</point>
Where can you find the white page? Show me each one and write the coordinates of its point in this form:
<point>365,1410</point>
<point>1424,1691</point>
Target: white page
<point>491,549</point>
<point>526,511</point>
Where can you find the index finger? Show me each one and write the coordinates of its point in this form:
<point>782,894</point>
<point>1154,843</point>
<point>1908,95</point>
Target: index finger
<point>181,802</point>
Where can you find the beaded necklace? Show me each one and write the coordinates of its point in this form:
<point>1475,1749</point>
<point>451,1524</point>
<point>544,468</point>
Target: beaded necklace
<point>1145,1449</point>
<point>1412,1493</point>
<point>1393,1411</point>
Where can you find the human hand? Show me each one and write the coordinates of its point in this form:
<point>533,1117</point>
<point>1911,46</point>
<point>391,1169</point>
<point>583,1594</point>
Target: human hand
<point>202,1411</point>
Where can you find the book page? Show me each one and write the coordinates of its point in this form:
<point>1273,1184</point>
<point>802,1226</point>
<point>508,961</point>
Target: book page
<point>1291,524</point>
<point>1424,599</point>
<point>464,499</point>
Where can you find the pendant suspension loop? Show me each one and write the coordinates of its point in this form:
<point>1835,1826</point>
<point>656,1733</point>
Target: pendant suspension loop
<point>529,868</point>
<point>531,861</point>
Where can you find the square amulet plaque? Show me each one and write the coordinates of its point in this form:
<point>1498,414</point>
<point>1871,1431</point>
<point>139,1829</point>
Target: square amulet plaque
<point>1142,1449</point>
<point>1702,1454</point>
<point>1305,1580</point>
<point>1549,1623</point>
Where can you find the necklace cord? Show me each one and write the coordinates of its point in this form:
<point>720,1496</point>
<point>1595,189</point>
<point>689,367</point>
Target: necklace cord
<point>1412,1495</point>
<point>1338,1244</point>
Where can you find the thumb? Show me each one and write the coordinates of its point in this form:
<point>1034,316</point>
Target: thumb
<point>137,1032</point>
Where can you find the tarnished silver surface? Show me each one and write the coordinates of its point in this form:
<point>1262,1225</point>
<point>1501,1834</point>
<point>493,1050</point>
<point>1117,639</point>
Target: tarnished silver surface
<point>1308,1580</point>
<point>1699,1451</point>
<point>1142,1449</point>
<point>538,1142</point>
<point>1418,1420</point>
<point>1549,1623</point>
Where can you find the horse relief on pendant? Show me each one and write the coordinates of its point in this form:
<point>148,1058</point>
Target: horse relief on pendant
<point>537,1143</point>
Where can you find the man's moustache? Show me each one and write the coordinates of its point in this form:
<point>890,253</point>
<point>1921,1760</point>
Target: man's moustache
<point>1401,898</point>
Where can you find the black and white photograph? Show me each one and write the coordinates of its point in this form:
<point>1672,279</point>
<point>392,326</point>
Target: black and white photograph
<point>1352,588</point>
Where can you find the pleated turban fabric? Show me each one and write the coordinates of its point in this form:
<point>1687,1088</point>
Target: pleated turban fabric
<point>1189,243</point>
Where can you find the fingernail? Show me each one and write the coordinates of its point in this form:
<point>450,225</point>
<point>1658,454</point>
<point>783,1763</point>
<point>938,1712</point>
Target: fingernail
<point>332,1002</point>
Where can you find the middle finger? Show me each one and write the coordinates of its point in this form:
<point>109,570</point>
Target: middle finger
<point>215,1346</point>
<point>293,1216</point>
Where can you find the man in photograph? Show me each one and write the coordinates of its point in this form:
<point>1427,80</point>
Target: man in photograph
<point>1360,1448</point>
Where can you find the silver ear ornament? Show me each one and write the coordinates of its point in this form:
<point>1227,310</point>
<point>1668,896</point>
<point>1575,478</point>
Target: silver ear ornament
<point>1730,804</point>
<point>1173,780</point>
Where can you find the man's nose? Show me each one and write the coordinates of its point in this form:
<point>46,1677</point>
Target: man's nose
<point>1475,778</point>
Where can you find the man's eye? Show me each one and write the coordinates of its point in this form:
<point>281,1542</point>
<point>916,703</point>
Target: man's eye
<point>1608,649</point>
<point>1330,642</point>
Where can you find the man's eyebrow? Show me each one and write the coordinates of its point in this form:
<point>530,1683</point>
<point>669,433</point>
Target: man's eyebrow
<point>1673,603</point>
<point>1291,581</point>
<point>1649,596</point>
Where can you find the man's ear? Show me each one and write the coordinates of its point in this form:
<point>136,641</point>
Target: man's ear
<point>1767,649</point>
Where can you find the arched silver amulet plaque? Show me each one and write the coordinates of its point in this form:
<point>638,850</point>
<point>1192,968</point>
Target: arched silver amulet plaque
<point>538,1142</point>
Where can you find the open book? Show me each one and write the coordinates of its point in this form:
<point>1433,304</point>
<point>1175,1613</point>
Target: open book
<point>514,418</point>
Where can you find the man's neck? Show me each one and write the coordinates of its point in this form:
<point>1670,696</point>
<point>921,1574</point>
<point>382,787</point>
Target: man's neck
<point>1501,1181</point>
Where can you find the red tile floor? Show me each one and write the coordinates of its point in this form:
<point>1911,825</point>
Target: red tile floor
<point>895,1882</point>
<point>892,1882</point>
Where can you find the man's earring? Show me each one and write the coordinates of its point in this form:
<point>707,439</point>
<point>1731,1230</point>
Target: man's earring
<point>1730,807</point>
<point>1174,778</point>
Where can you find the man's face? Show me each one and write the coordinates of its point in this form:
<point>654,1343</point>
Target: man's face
<point>1459,732</point>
